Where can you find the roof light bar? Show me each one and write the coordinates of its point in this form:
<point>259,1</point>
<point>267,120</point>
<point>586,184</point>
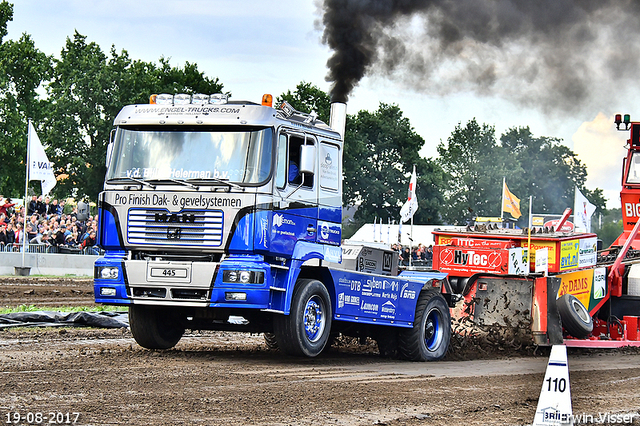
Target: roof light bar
<point>183,99</point>
<point>200,98</point>
<point>218,98</point>
<point>164,99</point>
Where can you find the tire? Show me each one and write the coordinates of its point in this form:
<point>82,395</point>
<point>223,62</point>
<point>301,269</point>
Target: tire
<point>153,327</point>
<point>270,340</point>
<point>305,331</point>
<point>428,339</point>
<point>575,317</point>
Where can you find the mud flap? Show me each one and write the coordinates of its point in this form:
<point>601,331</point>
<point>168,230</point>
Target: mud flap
<point>525,308</point>
<point>504,302</point>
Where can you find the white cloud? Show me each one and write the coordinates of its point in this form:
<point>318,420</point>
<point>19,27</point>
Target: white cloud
<point>601,148</point>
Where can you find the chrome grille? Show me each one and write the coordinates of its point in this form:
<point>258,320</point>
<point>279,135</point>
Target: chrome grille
<point>202,228</point>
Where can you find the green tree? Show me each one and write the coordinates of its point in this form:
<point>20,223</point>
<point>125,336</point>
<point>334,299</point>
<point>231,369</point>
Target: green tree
<point>475,166</point>
<point>23,69</point>
<point>308,98</point>
<point>533,166</point>
<point>551,171</point>
<point>378,181</point>
<point>608,225</point>
<point>86,93</point>
<point>380,149</point>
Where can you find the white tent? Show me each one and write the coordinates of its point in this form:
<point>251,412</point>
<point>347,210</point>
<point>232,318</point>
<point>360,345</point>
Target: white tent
<point>388,234</point>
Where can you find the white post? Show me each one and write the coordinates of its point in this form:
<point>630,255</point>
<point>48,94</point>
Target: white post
<point>26,189</point>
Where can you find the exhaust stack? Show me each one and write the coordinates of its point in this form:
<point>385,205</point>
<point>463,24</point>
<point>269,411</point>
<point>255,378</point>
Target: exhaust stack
<point>338,119</point>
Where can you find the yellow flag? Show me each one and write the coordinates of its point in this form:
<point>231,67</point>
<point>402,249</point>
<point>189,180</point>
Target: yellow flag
<point>510,203</point>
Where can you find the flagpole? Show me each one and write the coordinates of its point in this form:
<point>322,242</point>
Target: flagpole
<point>26,189</point>
<point>529,251</point>
<point>504,183</point>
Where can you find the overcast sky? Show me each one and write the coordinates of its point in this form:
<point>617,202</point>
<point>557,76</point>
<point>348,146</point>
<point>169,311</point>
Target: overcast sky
<point>267,46</point>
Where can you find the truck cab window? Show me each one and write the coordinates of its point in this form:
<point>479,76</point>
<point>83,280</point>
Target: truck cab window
<point>281,171</point>
<point>294,177</point>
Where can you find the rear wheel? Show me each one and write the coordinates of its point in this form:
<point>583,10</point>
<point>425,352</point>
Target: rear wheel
<point>575,317</point>
<point>305,331</point>
<point>428,339</point>
<point>153,327</point>
<point>270,340</point>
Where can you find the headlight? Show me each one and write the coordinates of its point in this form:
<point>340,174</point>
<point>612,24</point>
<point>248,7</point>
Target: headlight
<point>107,291</point>
<point>243,276</point>
<point>108,273</point>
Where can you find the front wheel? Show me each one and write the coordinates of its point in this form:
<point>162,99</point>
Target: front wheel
<point>428,339</point>
<point>305,331</point>
<point>153,327</point>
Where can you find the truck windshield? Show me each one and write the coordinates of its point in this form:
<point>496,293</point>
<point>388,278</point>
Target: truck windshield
<point>634,169</point>
<point>239,155</point>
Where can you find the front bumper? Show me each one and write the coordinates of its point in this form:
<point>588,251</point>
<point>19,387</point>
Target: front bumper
<point>173,283</point>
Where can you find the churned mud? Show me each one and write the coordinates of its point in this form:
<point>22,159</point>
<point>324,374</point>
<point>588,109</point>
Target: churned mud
<point>101,377</point>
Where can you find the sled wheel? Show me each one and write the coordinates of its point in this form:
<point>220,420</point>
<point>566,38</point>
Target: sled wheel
<point>153,327</point>
<point>428,339</point>
<point>305,331</point>
<point>270,340</point>
<point>575,317</point>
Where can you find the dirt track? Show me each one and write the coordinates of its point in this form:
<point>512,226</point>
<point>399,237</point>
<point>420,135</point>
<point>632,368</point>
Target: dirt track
<point>214,378</point>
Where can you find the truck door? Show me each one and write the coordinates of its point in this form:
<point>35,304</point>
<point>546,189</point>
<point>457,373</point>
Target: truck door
<point>329,193</point>
<point>295,213</point>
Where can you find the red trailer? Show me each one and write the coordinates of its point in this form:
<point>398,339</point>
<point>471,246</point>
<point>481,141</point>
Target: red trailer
<point>578,296</point>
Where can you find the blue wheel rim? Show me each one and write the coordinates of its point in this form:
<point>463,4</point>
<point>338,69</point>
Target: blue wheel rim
<point>314,318</point>
<point>433,330</point>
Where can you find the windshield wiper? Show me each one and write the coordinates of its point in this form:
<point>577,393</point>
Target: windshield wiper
<point>141,182</point>
<point>226,182</point>
<point>181,182</point>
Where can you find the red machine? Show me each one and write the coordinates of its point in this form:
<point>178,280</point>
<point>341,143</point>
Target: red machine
<point>554,283</point>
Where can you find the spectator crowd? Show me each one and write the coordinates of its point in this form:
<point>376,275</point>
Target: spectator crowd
<point>419,255</point>
<point>48,229</point>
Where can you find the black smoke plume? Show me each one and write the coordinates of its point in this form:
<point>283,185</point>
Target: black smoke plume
<point>553,54</point>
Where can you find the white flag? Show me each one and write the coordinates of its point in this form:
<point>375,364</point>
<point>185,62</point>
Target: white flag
<point>582,211</point>
<point>39,166</point>
<point>411,206</point>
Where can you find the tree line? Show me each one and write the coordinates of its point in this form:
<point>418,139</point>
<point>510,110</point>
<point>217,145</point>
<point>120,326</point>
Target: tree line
<point>86,87</point>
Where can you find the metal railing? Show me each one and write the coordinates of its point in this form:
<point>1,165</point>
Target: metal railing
<point>45,248</point>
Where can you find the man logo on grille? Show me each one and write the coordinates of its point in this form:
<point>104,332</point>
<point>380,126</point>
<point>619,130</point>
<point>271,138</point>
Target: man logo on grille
<point>174,233</point>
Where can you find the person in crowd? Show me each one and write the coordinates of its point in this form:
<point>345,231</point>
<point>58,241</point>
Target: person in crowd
<point>32,207</point>
<point>41,207</point>
<point>59,238</point>
<point>61,207</point>
<point>89,243</point>
<point>10,236</point>
<point>429,254</point>
<point>3,236</point>
<point>19,235</point>
<point>48,207</point>
<point>5,206</point>
<point>406,254</point>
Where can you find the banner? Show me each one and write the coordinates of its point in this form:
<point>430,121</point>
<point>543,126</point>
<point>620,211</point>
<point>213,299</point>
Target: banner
<point>39,166</point>
<point>411,206</point>
<point>582,211</point>
<point>510,203</point>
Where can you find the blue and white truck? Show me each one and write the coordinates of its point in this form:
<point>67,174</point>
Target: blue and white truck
<point>226,215</point>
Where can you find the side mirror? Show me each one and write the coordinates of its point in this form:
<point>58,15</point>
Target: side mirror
<point>110,148</point>
<point>307,159</point>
